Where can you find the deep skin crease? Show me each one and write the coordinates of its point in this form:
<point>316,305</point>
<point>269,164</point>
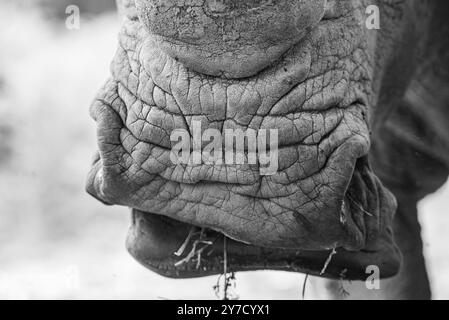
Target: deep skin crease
<point>319,76</point>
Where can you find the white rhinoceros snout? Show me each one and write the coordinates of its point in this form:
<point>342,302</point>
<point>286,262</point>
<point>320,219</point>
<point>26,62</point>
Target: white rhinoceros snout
<point>303,69</point>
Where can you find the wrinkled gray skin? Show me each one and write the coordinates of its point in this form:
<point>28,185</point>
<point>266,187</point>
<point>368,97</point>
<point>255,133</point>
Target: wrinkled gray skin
<point>361,119</point>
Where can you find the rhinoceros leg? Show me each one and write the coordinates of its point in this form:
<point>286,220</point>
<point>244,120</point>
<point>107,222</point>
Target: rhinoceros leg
<point>412,282</point>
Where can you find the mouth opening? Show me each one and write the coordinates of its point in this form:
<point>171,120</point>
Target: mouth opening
<point>180,250</point>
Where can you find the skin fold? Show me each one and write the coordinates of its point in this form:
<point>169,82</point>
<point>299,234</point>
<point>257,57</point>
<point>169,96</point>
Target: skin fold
<point>310,69</point>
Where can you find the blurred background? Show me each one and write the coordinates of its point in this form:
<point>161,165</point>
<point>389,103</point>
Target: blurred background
<point>55,241</point>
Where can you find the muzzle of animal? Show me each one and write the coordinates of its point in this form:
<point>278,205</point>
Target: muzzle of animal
<point>177,249</point>
<point>324,212</point>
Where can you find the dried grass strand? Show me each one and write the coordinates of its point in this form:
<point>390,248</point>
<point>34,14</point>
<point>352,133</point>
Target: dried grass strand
<point>328,261</point>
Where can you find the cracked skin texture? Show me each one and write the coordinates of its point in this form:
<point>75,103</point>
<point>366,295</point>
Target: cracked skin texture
<point>209,34</point>
<point>319,93</point>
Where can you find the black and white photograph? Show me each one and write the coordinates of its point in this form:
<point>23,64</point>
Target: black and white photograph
<point>235,151</point>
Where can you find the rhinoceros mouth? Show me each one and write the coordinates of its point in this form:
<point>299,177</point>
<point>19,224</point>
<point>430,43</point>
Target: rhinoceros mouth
<point>180,250</point>
<point>323,198</point>
<point>303,205</point>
